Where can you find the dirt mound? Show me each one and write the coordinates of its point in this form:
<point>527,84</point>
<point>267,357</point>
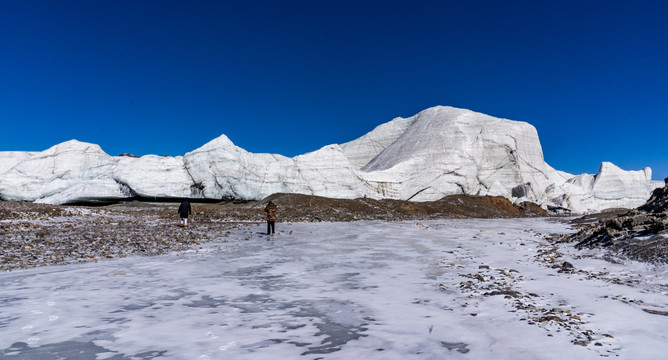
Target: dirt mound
<point>297,207</point>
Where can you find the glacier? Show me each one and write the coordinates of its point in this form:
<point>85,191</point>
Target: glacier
<point>440,151</point>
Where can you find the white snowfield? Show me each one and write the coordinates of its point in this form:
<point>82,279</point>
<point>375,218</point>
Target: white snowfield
<point>450,289</point>
<point>440,151</point>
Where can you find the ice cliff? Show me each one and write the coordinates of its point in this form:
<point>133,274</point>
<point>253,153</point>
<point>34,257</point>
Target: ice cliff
<point>440,151</point>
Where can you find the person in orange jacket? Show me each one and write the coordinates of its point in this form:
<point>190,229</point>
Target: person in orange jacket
<point>270,209</point>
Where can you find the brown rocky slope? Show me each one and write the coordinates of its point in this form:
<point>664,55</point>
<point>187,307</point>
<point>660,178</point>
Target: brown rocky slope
<point>296,207</point>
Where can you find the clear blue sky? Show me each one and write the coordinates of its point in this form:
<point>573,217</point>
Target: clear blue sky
<point>288,77</point>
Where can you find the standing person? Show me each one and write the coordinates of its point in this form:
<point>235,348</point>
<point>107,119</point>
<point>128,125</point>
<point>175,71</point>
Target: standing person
<point>270,209</point>
<point>184,211</point>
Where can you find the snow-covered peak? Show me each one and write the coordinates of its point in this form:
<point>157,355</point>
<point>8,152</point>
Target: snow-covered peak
<point>73,146</point>
<point>446,150</point>
<point>221,143</point>
<point>610,170</point>
<point>449,133</point>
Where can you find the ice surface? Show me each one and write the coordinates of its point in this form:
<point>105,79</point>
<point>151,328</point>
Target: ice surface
<point>371,290</point>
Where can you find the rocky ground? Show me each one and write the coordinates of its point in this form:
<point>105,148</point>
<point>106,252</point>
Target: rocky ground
<point>640,234</point>
<point>542,310</point>
<point>37,235</point>
<point>535,309</point>
<point>33,235</point>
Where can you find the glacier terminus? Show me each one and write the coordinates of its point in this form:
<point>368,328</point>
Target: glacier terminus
<point>437,152</point>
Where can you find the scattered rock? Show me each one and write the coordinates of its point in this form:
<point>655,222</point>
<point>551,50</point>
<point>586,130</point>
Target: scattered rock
<point>459,346</point>
<point>505,292</point>
<point>550,318</point>
<point>43,235</point>
<point>656,312</point>
<point>640,234</point>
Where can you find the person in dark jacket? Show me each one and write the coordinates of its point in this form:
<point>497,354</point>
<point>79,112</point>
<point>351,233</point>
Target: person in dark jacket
<point>184,211</point>
<point>270,209</point>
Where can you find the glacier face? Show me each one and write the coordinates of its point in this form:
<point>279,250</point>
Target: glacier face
<point>438,152</point>
<point>224,170</point>
<point>448,150</point>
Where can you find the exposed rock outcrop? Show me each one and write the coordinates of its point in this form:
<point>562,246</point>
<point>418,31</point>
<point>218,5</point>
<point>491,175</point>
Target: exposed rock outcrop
<point>639,234</point>
<point>658,202</point>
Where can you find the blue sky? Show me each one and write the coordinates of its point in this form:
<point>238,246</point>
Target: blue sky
<point>288,77</point>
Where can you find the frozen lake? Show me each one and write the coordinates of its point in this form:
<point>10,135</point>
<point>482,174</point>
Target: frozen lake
<point>448,289</point>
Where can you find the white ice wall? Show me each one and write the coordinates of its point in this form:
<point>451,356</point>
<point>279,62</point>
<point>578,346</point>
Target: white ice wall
<point>440,151</point>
